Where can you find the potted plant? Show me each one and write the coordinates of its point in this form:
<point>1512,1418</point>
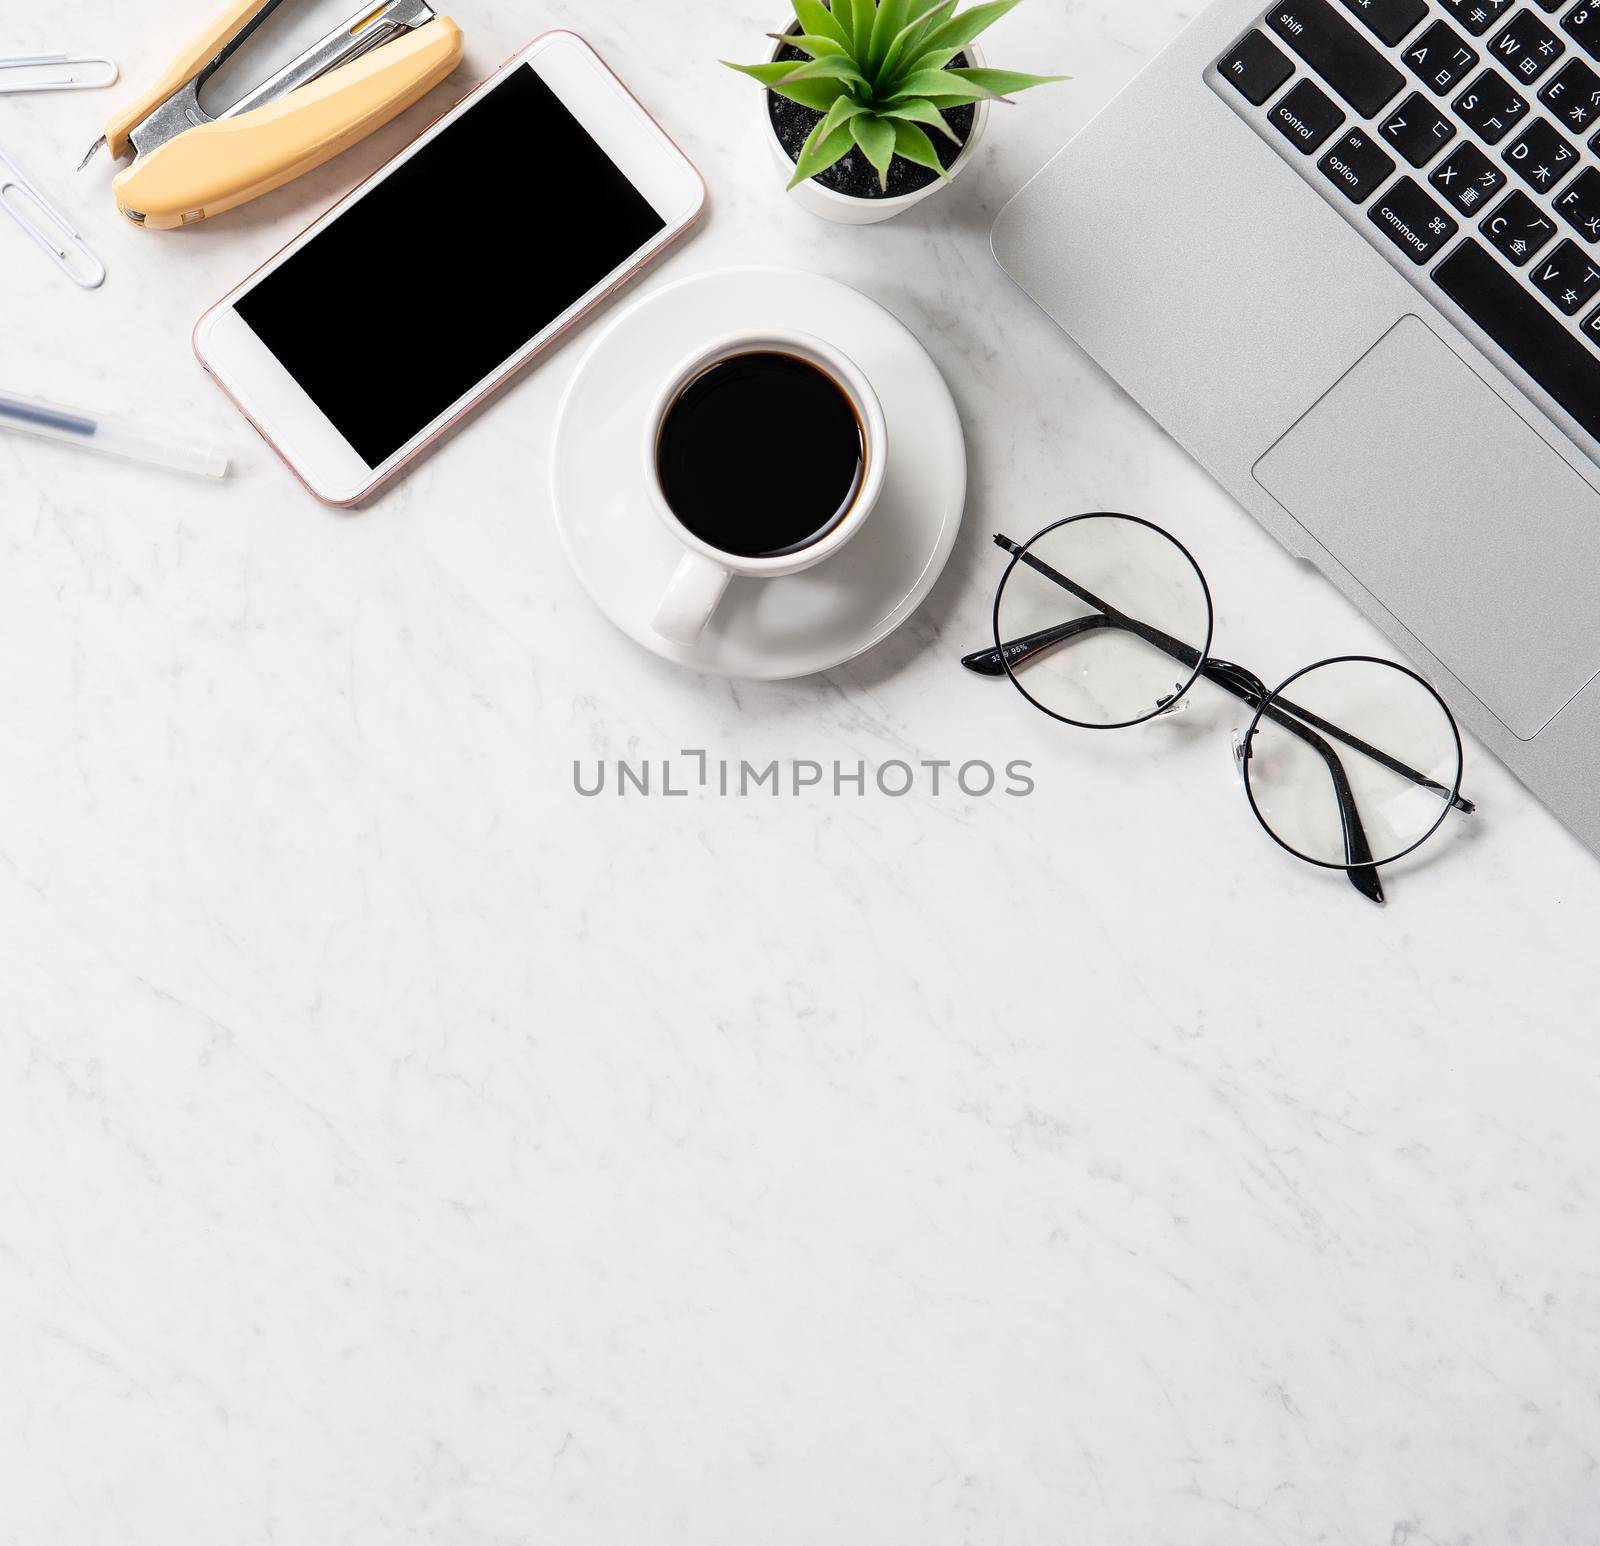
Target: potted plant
<point>873,105</point>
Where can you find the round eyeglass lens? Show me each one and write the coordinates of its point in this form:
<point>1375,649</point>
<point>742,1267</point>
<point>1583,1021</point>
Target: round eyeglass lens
<point>1102,620</point>
<point>1352,745</point>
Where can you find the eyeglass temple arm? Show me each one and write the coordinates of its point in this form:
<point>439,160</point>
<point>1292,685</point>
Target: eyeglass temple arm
<point>989,663</point>
<point>1362,873</point>
<point>1242,684</point>
<point>1245,684</point>
<point>1382,758</point>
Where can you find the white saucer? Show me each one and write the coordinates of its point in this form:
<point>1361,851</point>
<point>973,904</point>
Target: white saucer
<point>767,629</point>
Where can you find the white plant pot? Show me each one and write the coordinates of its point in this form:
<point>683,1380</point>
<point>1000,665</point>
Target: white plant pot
<point>847,210</point>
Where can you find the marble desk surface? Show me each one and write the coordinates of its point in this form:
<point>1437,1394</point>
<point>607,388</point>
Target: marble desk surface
<point>397,1146</point>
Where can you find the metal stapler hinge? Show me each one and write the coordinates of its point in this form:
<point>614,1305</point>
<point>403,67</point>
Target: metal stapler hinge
<point>368,29</point>
<point>190,163</point>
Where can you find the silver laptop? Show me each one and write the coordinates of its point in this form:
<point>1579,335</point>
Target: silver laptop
<point>1348,253</point>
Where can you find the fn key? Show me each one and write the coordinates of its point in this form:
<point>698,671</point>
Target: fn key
<point>1255,67</point>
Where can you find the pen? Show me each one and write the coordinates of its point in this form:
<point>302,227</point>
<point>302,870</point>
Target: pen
<point>112,436</point>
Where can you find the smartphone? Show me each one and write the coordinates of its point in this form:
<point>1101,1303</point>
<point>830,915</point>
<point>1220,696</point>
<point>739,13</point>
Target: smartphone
<point>540,193</point>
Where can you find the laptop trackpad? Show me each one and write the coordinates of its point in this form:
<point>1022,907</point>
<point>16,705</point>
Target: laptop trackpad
<point>1457,517</point>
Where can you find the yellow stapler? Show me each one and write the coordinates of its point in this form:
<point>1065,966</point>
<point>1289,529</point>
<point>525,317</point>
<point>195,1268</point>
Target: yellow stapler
<point>190,164</point>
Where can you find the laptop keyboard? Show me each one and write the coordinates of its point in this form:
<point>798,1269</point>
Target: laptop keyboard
<point>1467,133</point>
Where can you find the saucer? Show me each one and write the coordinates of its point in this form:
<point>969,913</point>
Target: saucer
<point>767,629</point>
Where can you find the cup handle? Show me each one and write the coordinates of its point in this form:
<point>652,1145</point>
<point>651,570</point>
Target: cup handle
<point>691,597</point>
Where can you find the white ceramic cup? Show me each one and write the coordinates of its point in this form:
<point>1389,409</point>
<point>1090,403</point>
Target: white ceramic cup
<point>704,571</point>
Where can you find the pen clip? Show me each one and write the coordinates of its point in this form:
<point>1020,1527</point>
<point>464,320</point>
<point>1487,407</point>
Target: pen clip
<point>71,256</point>
<point>72,78</point>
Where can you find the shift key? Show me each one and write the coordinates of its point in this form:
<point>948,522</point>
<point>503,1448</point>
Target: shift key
<point>1338,53</point>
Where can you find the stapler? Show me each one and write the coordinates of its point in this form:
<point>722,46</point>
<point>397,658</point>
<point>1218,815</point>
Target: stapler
<point>189,164</point>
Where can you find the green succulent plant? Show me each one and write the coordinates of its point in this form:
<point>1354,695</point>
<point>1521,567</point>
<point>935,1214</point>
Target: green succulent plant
<point>879,76</point>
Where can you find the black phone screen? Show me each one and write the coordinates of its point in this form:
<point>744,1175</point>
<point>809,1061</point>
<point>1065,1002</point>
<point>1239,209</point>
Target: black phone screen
<point>438,274</point>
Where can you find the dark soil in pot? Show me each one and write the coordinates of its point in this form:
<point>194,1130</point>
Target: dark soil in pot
<point>855,175</point>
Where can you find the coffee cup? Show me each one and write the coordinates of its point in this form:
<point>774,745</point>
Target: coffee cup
<point>764,454</point>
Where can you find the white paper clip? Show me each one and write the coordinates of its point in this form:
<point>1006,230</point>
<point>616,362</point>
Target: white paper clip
<point>72,72</point>
<point>71,256</point>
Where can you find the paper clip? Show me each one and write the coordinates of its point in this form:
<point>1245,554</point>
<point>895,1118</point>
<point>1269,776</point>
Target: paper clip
<point>72,256</point>
<point>70,78</point>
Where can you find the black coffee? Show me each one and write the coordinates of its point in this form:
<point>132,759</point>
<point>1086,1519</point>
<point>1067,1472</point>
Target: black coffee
<point>761,455</point>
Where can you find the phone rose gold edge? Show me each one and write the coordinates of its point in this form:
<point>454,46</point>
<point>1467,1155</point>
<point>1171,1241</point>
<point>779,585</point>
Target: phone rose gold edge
<point>507,375</point>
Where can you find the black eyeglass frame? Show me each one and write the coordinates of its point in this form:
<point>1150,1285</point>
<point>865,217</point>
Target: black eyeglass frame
<point>1452,801</point>
<point>1100,619</point>
<point>1359,866</point>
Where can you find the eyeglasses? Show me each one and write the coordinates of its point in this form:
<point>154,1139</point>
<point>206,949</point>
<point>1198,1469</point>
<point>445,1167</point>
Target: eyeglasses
<point>1351,763</point>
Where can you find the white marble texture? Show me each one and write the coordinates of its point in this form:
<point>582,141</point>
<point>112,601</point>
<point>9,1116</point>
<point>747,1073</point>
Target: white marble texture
<point>396,1147</point>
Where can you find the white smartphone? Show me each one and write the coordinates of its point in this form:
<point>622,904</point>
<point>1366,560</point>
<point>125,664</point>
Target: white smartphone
<point>435,281</point>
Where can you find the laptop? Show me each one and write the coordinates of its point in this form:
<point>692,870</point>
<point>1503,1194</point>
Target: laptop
<point>1348,253</point>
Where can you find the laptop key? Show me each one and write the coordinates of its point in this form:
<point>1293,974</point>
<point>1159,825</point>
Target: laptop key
<point>1569,278</point>
<point>1412,221</point>
<point>1255,67</point>
<point>1417,130</point>
<point>1440,57</point>
<point>1490,107</point>
<point>1579,204</point>
<point>1540,156</point>
<point>1477,16</point>
<point>1356,167</point>
<point>1392,20</point>
<point>1518,228</point>
<point>1537,341</point>
<point>1573,96</point>
<point>1468,178</point>
<point>1338,53</point>
<point>1305,117</point>
<point>1583,25</point>
<point>1591,328</point>
<point>1526,47</point>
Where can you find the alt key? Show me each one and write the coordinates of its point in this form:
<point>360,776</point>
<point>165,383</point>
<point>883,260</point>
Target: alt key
<point>1355,166</point>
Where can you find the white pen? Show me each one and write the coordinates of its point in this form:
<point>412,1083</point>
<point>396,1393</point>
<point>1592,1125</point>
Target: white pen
<point>112,436</point>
